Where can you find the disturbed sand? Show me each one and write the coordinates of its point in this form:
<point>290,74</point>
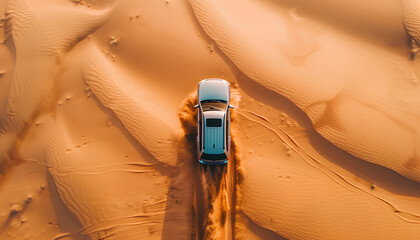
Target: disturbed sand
<point>97,125</point>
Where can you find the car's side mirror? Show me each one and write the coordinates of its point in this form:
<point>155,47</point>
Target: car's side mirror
<point>231,106</point>
<point>196,106</point>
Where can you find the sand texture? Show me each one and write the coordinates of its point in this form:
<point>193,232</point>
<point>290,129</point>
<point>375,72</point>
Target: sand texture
<point>98,127</point>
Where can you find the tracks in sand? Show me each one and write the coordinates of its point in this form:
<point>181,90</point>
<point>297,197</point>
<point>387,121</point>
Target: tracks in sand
<point>215,201</point>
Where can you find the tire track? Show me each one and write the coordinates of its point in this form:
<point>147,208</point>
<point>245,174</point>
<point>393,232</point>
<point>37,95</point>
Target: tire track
<point>214,197</point>
<point>410,217</point>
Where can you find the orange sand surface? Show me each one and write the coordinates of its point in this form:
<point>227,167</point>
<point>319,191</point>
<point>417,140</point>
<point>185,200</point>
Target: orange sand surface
<point>98,129</point>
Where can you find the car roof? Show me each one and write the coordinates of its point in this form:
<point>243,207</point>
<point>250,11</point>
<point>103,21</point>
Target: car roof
<point>214,137</point>
<point>213,89</point>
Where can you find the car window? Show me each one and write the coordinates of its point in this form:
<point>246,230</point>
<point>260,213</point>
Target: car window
<point>200,129</point>
<point>213,106</point>
<point>213,156</point>
<point>213,122</point>
<point>227,129</point>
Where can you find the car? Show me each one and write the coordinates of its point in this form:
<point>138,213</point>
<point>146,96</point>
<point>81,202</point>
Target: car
<point>213,121</point>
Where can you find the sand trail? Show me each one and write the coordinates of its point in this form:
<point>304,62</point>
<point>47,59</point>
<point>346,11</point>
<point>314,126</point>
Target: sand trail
<point>215,187</point>
<point>215,203</point>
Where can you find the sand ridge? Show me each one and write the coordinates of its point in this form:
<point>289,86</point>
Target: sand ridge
<point>38,45</point>
<point>141,120</point>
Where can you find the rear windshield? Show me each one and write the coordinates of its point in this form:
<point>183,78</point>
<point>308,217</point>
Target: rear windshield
<point>213,156</point>
<point>212,105</point>
<point>213,122</point>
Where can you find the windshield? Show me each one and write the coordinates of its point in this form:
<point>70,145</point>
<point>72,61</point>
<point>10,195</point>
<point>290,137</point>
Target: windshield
<point>211,105</point>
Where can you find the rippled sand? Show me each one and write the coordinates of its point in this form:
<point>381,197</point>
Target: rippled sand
<point>97,125</point>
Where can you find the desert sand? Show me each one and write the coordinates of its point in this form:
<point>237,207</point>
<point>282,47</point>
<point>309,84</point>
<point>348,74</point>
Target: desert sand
<point>98,128</point>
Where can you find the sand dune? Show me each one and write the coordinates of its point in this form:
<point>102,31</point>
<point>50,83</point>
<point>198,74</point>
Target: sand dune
<point>138,114</point>
<point>411,18</point>
<point>288,168</point>
<point>32,34</point>
<point>98,128</point>
<point>296,62</point>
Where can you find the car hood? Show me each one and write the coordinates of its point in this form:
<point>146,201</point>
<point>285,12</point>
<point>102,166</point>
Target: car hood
<point>213,90</point>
